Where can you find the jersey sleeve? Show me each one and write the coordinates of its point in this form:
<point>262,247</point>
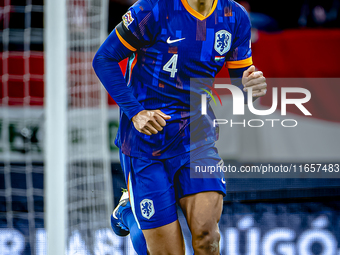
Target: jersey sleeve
<point>240,55</point>
<point>138,26</point>
<point>105,64</point>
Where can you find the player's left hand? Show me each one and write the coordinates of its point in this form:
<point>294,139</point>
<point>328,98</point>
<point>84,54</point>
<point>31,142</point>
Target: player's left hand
<point>255,80</point>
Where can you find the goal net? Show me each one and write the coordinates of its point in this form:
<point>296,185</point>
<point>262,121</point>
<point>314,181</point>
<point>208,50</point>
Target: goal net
<point>21,122</point>
<point>22,136</point>
<point>89,203</point>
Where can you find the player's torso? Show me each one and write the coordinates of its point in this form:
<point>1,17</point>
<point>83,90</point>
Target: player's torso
<point>182,45</point>
<point>186,45</point>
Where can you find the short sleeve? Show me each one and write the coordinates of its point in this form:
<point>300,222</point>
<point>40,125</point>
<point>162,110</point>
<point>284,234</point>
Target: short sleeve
<point>138,26</point>
<point>240,55</point>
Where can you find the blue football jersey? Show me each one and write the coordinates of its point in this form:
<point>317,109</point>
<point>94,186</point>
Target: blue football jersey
<point>171,44</point>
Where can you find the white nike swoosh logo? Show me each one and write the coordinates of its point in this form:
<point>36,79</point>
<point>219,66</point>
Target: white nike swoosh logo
<point>173,41</point>
<point>223,181</point>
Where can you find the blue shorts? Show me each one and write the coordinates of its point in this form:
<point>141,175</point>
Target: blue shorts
<point>156,185</point>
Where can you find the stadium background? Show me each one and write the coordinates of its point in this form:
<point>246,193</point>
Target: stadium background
<point>261,216</point>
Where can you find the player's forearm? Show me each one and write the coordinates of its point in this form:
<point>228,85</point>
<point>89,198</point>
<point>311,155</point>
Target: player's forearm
<point>105,64</point>
<point>236,79</point>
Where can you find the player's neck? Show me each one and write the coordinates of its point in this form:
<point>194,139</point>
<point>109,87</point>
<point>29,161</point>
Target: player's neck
<point>201,6</point>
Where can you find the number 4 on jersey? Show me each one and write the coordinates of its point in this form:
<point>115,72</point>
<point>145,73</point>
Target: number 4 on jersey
<point>171,66</point>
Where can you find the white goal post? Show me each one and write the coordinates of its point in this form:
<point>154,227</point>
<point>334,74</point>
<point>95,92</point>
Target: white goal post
<point>55,44</point>
<point>78,188</point>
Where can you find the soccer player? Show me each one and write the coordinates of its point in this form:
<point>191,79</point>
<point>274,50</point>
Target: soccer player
<point>167,43</point>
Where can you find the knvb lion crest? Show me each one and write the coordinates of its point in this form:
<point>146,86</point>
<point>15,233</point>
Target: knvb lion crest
<point>147,208</point>
<point>222,41</point>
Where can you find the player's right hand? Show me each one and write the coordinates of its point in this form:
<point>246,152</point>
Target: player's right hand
<point>150,122</point>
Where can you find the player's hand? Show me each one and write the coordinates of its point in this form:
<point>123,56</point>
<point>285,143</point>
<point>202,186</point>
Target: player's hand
<point>256,80</point>
<point>150,122</point>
